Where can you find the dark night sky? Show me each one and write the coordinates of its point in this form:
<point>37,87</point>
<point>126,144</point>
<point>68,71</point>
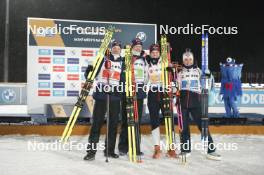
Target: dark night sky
<point>246,47</point>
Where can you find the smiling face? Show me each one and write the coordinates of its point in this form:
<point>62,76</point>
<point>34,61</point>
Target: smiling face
<point>188,61</point>
<point>155,54</point>
<point>137,48</point>
<point>116,50</point>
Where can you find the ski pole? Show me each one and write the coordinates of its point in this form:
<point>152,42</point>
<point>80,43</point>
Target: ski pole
<point>107,66</point>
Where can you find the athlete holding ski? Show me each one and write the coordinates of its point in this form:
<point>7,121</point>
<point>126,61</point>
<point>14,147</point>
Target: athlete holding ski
<point>109,75</point>
<point>190,96</point>
<point>139,65</point>
<point>155,98</point>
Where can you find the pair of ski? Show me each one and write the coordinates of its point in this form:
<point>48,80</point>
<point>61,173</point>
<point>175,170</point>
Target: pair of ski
<point>132,108</point>
<point>87,85</point>
<point>205,93</point>
<point>133,126</point>
<point>131,103</point>
<point>204,97</point>
<point>169,75</point>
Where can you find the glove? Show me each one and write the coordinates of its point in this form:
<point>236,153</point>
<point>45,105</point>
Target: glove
<point>207,73</point>
<point>178,94</point>
<point>169,69</point>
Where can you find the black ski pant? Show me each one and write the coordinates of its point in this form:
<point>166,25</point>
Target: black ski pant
<point>196,113</point>
<point>123,139</point>
<point>98,121</point>
<point>155,104</point>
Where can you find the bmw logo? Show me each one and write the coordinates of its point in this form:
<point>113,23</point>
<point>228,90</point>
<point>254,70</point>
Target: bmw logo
<point>142,36</point>
<point>8,95</point>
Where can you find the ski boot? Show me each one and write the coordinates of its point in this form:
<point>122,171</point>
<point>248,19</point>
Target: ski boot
<point>157,152</point>
<point>112,155</point>
<point>90,156</point>
<point>122,153</point>
<point>171,153</point>
<point>213,156</point>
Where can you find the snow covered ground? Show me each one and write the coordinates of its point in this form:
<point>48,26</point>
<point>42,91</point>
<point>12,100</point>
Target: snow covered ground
<point>15,158</point>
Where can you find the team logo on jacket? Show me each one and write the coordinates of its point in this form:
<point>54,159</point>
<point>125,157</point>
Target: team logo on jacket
<point>155,74</point>
<point>139,67</point>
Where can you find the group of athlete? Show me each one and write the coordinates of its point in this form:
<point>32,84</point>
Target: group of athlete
<point>147,71</point>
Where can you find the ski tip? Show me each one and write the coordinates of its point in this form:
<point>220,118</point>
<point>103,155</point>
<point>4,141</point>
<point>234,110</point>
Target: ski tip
<point>111,28</point>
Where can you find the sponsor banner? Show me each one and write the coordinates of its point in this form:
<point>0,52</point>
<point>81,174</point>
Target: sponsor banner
<point>58,52</point>
<point>73,69</point>
<point>58,85</point>
<point>44,59</point>
<point>60,59</point>
<point>43,92</point>
<point>44,52</point>
<point>44,76</point>
<point>73,77</point>
<point>58,93</point>
<point>87,53</point>
<point>58,69</point>
<point>249,98</point>
<point>43,85</point>
<point>73,60</point>
<point>85,34</point>
<point>73,93</point>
